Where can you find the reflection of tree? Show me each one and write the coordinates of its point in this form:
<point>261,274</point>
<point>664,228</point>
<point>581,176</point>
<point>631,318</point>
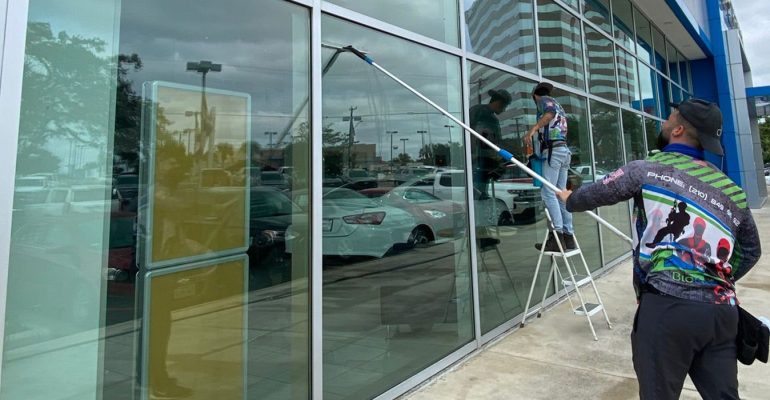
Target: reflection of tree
<point>62,76</point>
<point>606,135</point>
<point>403,159</point>
<point>128,111</point>
<point>224,152</point>
<point>632,133</point>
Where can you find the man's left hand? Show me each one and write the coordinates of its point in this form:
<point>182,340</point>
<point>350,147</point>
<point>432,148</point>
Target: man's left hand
<point>564,195</point>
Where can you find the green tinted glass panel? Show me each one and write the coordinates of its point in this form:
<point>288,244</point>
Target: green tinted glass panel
<point>437,20</point>
<point>561,45</point>
<point>156,145</point>
<point>502,31</point>
<point>608,149</point>
<point>601,65</point>
<point>384,250</point>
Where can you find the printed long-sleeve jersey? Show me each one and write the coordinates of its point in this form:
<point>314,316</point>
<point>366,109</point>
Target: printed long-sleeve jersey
<point>693,233</point>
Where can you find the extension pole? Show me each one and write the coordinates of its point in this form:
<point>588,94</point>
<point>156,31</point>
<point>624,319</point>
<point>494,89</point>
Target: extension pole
<point>501,152</point>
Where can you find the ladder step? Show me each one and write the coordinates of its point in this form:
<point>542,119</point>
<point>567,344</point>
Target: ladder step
<point>580,280</point>
<point>591,307</point>
<point>565,254</point>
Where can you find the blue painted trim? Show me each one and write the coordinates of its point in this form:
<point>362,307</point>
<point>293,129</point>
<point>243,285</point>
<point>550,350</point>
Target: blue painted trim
<point>703,73</point>
<point>691,25</point>
<point>758,91</point>
<point>732,163</point>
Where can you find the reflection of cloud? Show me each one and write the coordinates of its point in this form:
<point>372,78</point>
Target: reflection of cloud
<point>752,15</point>
<point>263,48</point>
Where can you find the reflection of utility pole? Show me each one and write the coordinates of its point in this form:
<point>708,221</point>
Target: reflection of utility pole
<point>403,140</point>
<point>518,134</point>
<point>270,135</point>
<point>422,143</point>
<point>197,131</point>
<point>351,133</point>
<point>449,128</point>
<point>204,67</point>
<point>391,148</point>
<point>478,83</point>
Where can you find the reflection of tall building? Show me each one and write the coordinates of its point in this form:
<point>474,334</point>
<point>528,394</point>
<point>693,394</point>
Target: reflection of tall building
<point>561,46</point>
<point>502,31</point>
<point>627,80</point>
<point>601,65</point>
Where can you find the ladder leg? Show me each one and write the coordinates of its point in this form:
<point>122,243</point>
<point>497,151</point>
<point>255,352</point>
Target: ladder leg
<point>532,286</point>
<point>551,277</point>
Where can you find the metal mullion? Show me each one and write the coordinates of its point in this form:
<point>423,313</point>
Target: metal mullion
<point>599,29</point>
<point>500,66</point>
<point>13,20</point>
<point>393,30</point>
<point>315,276</point>
<point>535,14</point>
<point>415,381</point>
<point>306,3</point>
<point>593,171</point>
<point>465,79</point>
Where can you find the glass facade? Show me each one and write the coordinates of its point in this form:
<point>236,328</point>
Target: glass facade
<point>502,31</point>
<point>561,45</point>
<point>169,163</point>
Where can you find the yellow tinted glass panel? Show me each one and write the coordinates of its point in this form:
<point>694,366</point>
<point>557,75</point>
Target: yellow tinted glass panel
<point>196,324</point>
<point>198,200</point>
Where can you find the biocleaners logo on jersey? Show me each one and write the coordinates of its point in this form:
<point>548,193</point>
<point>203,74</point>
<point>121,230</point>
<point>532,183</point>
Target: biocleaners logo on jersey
<point>687,241</point>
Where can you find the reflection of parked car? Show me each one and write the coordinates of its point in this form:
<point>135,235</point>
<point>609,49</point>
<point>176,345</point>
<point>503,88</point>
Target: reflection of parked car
<point>355,225</point>
<point>586,173</point>
<point>74,199</point>
<point>62,257</point>
<point>275,180</point>
<point>271,212</point>
<point>436,217</point>
<point>767,176</point>
<point>450,185</point>
<point>125,189</point>
<point>359,179</point>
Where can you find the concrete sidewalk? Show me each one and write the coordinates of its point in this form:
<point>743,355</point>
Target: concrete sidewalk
<point>555,357</point>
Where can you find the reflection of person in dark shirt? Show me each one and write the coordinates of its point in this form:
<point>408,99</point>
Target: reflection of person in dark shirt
<point>700,250</point>
<point>483,119</point>
<point>171,164</point>
<point>675,224</point>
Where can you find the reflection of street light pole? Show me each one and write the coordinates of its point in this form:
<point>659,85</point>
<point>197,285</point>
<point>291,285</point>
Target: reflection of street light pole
<point>422,142</point>
<point>518,134</point>
<point>351,133</point>
<point>391,147</point>
<point>403,140</point>
<point>204,67</point>
<point>270,135</point>
<point>449,128</point>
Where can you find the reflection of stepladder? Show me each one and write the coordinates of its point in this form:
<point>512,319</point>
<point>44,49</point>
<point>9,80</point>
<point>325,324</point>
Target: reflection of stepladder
<point>572,282</point>
<point>488,240</point>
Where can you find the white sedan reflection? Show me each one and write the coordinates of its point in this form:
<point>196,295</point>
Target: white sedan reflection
<point>355,225</point>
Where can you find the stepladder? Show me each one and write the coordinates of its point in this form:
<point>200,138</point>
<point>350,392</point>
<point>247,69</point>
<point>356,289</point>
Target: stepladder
<point>567,277</point>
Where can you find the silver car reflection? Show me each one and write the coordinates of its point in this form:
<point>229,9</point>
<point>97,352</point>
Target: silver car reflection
<point>355,225</point>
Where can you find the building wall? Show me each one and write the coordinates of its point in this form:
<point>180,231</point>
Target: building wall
<point>229,227</point>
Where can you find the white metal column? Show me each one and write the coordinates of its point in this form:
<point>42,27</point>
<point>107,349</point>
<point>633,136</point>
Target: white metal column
<point>315,275</point>
<point>13,21</point>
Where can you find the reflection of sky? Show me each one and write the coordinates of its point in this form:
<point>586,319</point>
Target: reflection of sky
<point>382,103</point>
<point>436,19</point>
<point>263,48</point>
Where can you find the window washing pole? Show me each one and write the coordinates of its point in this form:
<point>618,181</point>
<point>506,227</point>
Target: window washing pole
<point>501,152</point>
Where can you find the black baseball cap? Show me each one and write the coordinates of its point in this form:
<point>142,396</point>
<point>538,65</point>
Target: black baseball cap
<point>706,118</point>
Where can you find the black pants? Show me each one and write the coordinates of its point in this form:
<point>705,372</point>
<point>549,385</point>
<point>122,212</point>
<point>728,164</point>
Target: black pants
<point>674,337</point>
